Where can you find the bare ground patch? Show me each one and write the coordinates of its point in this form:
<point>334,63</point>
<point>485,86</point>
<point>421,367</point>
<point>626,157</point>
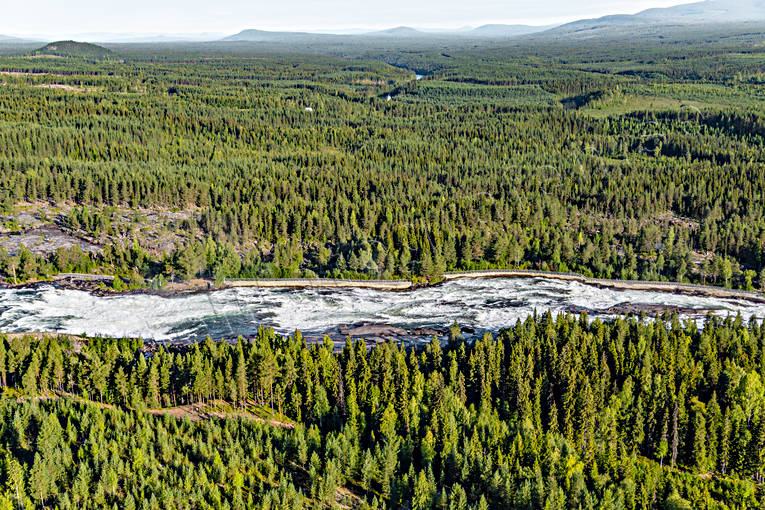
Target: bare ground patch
<point>43,240</point>
<point>21,73</point>
<point>672,219</point>
<point>200,411</point>
<point>45,55</point>
<point>61,86</point>
<point>157,231</point>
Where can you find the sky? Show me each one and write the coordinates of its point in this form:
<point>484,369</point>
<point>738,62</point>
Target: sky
<point>69,17</point>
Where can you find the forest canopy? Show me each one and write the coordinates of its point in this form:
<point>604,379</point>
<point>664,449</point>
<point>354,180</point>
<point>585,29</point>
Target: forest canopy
<point>629,163</point>
<point>553,412</point>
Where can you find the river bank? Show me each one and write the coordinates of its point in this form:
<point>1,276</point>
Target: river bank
<point>687,289</point>
<point>402,285</point>
<point>95,284</point>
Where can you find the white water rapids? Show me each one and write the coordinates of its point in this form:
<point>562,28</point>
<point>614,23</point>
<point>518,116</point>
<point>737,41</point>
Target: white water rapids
<point>480,304</point>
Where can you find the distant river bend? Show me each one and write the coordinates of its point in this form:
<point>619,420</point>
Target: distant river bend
<point>477,304</point>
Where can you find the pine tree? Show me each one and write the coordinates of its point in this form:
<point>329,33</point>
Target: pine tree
<point>725,443</point>
<point>2,361</point>
<point>16,478</point>
<point>241,374</point>
<point>423,493</point>
<point>663,447</point>
<point>699,439</point>
<point>367,471</point>
<point>675,434</point>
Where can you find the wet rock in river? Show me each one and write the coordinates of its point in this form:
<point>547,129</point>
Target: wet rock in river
<point>427,332</point>
<point>653,310</point>
<point>376,330</point>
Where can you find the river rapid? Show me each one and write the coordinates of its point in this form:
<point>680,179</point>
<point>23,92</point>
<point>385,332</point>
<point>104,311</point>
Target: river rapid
<point>477,304</point>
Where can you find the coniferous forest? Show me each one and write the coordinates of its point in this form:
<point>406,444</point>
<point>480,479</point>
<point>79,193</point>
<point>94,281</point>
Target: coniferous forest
<point>162,164</point>
<point>620,162</point>
<point>551,413</point>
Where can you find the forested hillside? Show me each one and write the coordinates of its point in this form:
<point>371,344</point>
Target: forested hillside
<point>640,162</point>
<point>552,413</point>
<point>72,49</point>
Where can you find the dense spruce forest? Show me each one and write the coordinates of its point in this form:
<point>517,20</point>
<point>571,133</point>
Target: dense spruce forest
<point>627,161</point>
<point>551,413</point>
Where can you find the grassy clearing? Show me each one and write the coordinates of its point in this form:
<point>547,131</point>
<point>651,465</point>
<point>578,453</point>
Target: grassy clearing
<point>451,93</point>
<point>676,96</point>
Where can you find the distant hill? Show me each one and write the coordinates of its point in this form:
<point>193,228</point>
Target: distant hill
<point>709,11</point>
<point>706,12</point>
<point>486,31</point>
<point>128,37</point>
<point>6,39</point>
<point>719,12</point>
<point>265,35</point>
<point>399,32</point>
<point>73,49</point>
<point>506,30</point>
<point>253,35</point>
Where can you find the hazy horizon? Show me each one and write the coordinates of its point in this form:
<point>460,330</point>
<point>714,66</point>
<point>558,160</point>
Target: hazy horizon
<point>53,19</point>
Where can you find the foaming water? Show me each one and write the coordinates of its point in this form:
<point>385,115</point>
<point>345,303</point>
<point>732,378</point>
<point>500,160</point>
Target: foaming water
<point>480,304</point>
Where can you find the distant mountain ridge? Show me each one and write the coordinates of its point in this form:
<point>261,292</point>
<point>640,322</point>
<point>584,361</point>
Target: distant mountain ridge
<point>14,40</point>
<point>715,11</point>
<point>138,37</point>
<point>497,30</point>
<point>485,31</point>
<point>399,32</point>
<point>701,12</point>
<point>705,12</point>
<point>254,35</point>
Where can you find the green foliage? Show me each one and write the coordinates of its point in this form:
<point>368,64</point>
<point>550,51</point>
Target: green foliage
<point>644,163</point>
<point>73,49</point>
<point>554,412</point>
<point>619,160</point>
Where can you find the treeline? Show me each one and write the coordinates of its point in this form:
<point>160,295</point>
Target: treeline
<point>552,413</point>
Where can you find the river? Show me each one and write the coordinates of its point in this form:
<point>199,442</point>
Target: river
<point>477,304</point>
